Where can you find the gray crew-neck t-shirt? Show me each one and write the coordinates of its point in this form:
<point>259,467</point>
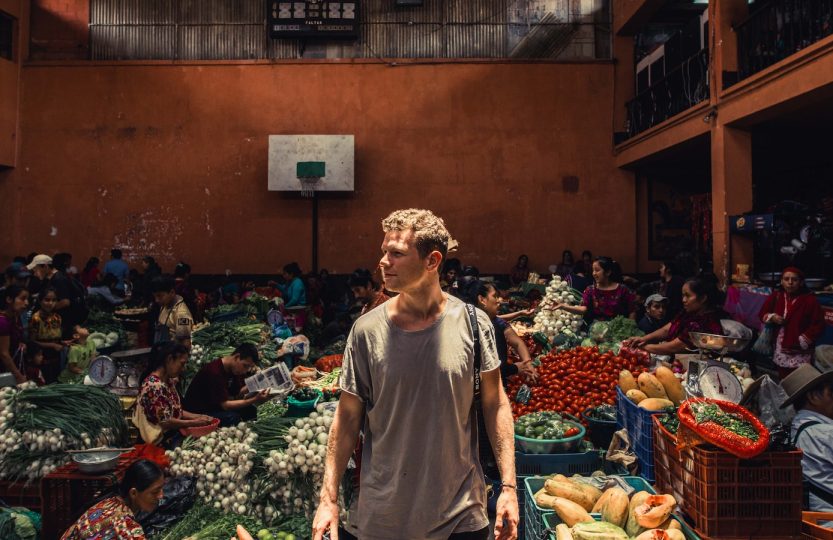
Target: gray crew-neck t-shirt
<point>420,475</point>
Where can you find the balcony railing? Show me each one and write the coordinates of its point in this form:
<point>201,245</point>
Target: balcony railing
<point>780,29</point>
<point>682,87</point>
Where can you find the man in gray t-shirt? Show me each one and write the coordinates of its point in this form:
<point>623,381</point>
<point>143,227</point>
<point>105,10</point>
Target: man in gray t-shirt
<point>408,381</point>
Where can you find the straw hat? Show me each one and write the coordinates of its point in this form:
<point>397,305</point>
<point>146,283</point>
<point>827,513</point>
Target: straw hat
<point>802,380</point>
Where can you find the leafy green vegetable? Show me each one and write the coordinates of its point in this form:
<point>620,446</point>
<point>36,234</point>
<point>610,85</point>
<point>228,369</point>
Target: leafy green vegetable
<point>711,412</point>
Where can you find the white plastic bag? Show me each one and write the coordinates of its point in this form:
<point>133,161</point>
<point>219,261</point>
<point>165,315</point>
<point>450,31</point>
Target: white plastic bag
<point>824,358</point>
<point>734,329</point>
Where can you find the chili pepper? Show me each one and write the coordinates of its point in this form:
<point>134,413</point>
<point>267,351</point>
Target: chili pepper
<point>731,427</point>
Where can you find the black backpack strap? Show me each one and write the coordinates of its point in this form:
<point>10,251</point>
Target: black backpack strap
<point>801,429</point>
<point>476,338</point>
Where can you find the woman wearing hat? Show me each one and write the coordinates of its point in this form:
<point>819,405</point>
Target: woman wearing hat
<point>799,318</point>
<point>811,392</point>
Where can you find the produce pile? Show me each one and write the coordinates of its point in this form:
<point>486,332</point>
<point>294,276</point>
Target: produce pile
<point>253,306</point>
<point>609,335</point>
<point>573,380</point>
<point>105,329</point>
<point>17,524</point>
<point>39,424</point>
<point>653,391</point>
<point>562,327</point>
<point>544,425</point>
<point>639,516</point>
<point>212,341</point>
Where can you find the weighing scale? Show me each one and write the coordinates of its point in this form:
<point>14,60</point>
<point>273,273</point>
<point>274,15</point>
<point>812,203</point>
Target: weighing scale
<point>709,376</point>
<point>120,371</point>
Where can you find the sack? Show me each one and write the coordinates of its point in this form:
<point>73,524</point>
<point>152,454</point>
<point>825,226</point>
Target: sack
<point>179,496</point>
<point>763,345</point>
<point>151,433</point>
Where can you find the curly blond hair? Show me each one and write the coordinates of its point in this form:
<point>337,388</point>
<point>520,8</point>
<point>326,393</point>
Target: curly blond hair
<point>429,230</point>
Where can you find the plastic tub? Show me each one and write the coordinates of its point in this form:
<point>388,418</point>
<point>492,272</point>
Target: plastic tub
<point>296,409</point>
<point>552,446</point>
<point>200,431</point>
<point>601,431</point>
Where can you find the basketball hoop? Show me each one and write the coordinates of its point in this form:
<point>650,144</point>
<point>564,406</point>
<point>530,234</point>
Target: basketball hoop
<point>308,185</point>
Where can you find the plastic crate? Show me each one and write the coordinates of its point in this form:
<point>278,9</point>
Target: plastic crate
<point>566,464</point>
<point>728,497</point>
<point>552,519</point>
<point>21,494</point>
<point>810,527</point>
<point>640,431</point>
<point>67,493</point>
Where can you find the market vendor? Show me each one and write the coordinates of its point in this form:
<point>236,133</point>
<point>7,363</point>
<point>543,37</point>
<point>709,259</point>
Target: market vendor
<point>114,518</point>
<point>13,303</point>
<point>365,291</point>
<point>159,413</point>
<point>484,295</point>
<point>174,321</point>
<point>700,314</point>
<point>799,318</point>
<point>293,291</point>
<point>607,298</point>
<point>218,389</point>
<point>811,393</point>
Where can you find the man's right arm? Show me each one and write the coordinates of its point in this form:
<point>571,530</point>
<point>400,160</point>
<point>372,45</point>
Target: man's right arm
<point>344,433</point>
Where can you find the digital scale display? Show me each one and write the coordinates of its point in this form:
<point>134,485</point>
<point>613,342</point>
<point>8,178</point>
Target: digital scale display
<point>313,19</point>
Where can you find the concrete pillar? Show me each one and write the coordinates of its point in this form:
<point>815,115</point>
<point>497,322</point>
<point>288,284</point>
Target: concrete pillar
<point>722,40</point>
<point>624,85</point>
<point>731,153</point>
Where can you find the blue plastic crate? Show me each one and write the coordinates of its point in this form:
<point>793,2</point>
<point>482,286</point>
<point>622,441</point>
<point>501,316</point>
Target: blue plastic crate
<point>566,464</point>
<point>640,426</point>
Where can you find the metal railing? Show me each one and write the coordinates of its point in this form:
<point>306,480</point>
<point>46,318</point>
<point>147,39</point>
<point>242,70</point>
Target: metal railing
<point>780,29</point>
<point>682,87</point>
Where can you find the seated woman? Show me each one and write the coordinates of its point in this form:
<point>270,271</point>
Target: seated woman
<point>700,314</point>
<point>159,401</point>
<point>294,292</point>
<point>140,490</point>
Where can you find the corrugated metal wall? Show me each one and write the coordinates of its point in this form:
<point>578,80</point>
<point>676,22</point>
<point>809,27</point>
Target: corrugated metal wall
<point>236,29</point>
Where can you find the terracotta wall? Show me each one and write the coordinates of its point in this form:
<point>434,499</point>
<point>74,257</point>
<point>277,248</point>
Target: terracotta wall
<point>10,83</point>
<point>170,160</point>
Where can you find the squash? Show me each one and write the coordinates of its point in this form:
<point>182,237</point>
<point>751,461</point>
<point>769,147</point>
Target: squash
<point>544,499</point>
<point>636,396</point>
<point>626,381</point>
<point>651,386</point>
<point>655,404</point>
<point>599,530</point>
<point>571,513</point>
<point>672,385</point>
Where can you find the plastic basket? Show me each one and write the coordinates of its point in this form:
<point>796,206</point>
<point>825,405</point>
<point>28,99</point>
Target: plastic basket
<point>810,527</point>
<point>21,494</point>
<point>66,493</point>
<point>601,431</point>
<point>731,498</point>
<point>549,446</point>
<point>566,464</point>
<point>201,431</point>
<point>640,431</point>
<point>297,409</point>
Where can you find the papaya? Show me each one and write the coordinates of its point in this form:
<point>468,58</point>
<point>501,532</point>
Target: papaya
<point>573,491</point>
<point>651,386</point>
<point>626,381</point>
<point>570,513</point>
<point>599,530</point>
<point>563,532</point>
<point>633,528</point>
<point>655,510</point>
<point>614,509</point>
<point>672,385</point>
<point>544,499</point>
<point>655,404</point>
<point>637,396</point>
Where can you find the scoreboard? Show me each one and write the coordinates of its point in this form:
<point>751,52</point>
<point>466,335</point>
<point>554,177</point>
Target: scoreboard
<point>313,19</point>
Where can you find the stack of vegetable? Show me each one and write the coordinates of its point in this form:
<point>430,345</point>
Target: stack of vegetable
<point>204,522</point>
<point>41,423</point>
<point>106,328</point>
<point>215,340</point>
<point>653,392</point>
<point>609,335</point>
<point>558,324</point>
<point>574,380</point>
<point>642,515</point>
<point>220,462</point>
<point>726,425</point>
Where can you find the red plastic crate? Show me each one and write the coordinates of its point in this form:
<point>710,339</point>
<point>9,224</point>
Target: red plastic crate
<point>728,497</point>
<point>20,494</point>
<point>67,493</point>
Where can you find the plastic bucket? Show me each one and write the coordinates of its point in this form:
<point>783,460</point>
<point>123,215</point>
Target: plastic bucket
<point>601,431</point>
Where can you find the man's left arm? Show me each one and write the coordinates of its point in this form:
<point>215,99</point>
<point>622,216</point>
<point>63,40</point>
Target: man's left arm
<point>497,415</point>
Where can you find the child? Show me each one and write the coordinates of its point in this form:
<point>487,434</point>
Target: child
<point>81,353</point>
<point>33,362</point>
<point>655,314</point>
<point>45,331</point>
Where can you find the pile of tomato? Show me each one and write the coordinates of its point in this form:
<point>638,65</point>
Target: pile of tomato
<point>574,380</point>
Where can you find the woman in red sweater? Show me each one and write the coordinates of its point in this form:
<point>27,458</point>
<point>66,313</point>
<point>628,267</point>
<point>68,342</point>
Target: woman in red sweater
<point>800,319</point>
